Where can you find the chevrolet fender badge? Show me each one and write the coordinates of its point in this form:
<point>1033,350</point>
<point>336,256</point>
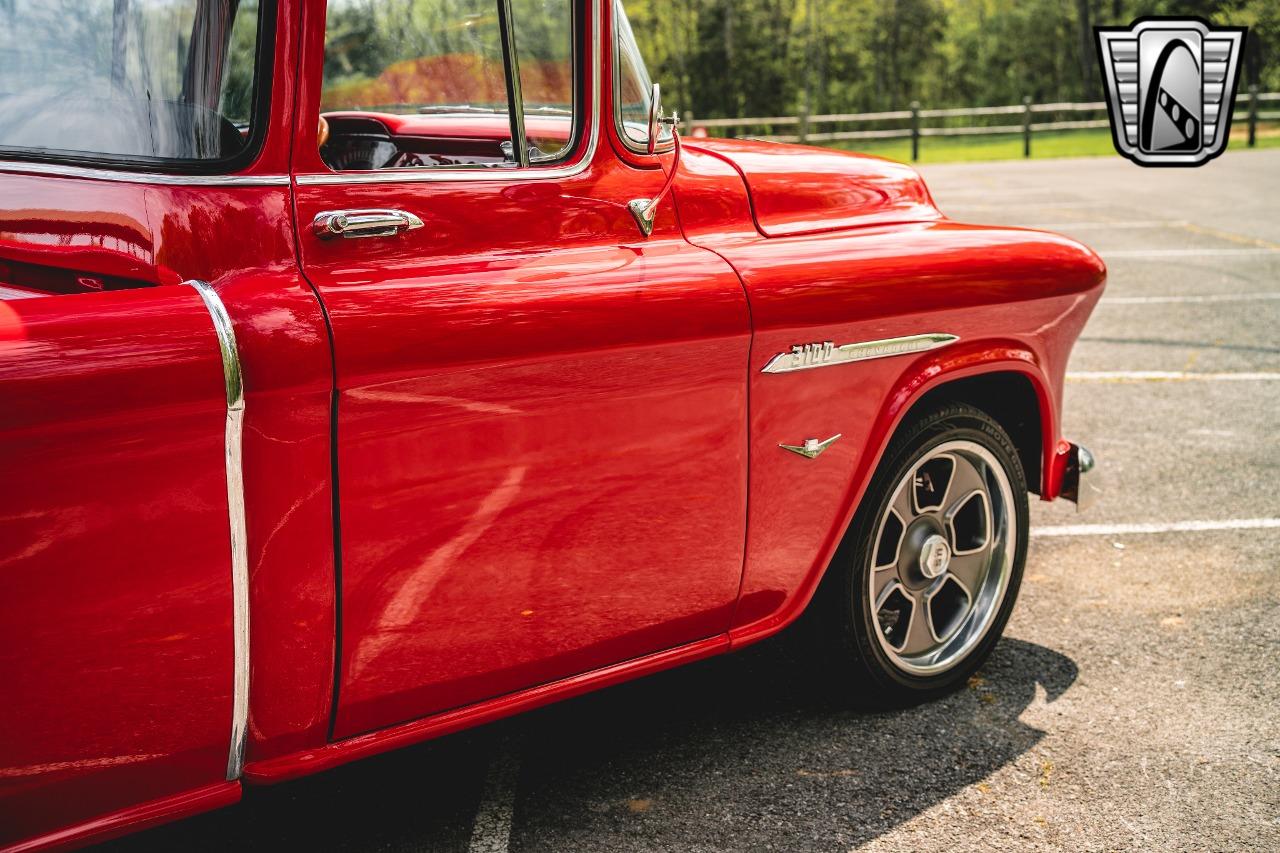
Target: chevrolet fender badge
<point>812,448</point>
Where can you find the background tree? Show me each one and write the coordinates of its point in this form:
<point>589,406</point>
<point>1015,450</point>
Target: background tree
<point>771,57</point>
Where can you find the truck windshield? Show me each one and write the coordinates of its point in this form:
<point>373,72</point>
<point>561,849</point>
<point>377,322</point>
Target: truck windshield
<point>128,80</point>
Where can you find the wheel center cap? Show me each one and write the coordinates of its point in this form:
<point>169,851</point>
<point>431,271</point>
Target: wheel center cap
<point>935,557</point>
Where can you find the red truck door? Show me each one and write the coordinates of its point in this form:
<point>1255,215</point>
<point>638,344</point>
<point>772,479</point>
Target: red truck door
<point>540,421</point>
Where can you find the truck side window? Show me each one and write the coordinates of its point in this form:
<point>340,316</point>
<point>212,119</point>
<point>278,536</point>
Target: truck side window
<point>170,82</point>
<point>423,83</point>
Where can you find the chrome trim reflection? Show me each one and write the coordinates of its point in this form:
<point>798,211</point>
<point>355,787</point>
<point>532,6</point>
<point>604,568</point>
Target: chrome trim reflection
<point>645,210</point>
<point>21,167</point>
<point>812,448</point>
<point>363,223</point>
<point>515,93</point>
<point>827,354</point>
<point>488,173</point>
<point>234,379</point>
<point>935,556</point>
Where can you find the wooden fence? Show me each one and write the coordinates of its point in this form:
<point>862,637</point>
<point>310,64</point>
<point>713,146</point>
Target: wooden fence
<point>1030,119</point>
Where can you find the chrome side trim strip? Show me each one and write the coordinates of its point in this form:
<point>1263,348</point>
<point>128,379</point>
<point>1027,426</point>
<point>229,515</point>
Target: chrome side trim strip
<point>592,138</point>
<point>826,354</point>
<point>235,511</point>
<point>22,167</point>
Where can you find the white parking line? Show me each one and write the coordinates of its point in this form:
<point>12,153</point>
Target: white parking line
<point>1169,376</point>
<point>1140,223</point>
<point>491,832</point>
<point>1157,527</point>
<point>1040,205</point>
<point>1157,254</point>
<point>1208,297</point>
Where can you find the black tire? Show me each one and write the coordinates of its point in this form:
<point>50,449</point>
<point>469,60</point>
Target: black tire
<point>863,670</point>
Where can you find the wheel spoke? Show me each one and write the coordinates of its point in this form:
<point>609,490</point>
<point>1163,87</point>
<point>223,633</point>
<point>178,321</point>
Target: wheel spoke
<point>889,546</point>
<point>969,569</point>
<point>964,481</point>
<point>893,608</point>
<point>901,505</point>
<point>881,578</point>
<point>919,638</point>
<point>947,608</point>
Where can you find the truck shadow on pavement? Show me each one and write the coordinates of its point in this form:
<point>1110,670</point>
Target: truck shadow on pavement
<point>743,752</point>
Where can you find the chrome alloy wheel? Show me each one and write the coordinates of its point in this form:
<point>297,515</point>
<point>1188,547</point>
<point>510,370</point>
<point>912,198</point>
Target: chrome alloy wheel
<point>944,552</point>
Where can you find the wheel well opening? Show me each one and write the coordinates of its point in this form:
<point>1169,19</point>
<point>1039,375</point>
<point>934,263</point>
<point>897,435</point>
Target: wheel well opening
<point>1007,397</point>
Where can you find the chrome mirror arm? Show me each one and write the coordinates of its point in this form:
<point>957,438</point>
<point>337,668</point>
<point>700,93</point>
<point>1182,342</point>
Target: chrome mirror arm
<point>645,210</point>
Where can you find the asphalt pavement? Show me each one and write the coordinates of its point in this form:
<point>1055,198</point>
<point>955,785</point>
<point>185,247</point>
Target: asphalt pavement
<point>1133,705</point>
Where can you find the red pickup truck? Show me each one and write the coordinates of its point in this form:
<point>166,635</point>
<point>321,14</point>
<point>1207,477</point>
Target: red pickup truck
<point>373,370</point>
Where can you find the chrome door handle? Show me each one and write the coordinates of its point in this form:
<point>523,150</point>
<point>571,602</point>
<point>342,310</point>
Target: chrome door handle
<point>363,223</point>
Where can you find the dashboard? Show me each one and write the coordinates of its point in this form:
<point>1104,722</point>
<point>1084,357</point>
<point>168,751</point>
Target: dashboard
<point>365,143</point>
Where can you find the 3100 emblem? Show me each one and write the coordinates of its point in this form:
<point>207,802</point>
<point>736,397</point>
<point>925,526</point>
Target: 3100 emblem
<point>812,355</point>
<point>825,354</point>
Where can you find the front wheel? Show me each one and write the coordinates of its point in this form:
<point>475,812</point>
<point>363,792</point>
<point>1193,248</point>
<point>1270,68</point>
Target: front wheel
<point>927,576</point>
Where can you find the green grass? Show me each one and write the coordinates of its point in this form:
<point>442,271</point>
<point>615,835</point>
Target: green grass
<point>1063,143</point>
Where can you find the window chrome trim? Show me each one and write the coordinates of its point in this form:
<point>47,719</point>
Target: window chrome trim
<point>619,123</point>
<point>825,354</point>
<point>515,93</point>
<point>234,379</point>
<point>23,167</point>
<point>486,173</point>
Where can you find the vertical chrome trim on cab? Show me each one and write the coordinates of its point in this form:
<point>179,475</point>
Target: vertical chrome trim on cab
<point>235,511</point>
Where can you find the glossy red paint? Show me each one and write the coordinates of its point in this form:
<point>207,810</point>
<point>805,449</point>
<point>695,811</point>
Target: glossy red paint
<point>796,190</point>
<point>530,426</point>
<point>1016,298</point>
<point>526,448</point>
<point>288,373</point>
<point>242,239</point>
<point>64,226</point>
<point>151,591</point>
<point>117,618</point>
<point>134,819</point>
<point>115,626</point>
<point>406,734</point>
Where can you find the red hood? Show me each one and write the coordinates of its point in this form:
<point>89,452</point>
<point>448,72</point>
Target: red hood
<point>798,190</point>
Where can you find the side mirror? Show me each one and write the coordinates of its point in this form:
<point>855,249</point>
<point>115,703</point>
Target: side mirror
<point>655,117</point>
<point>646,209</point>
<point>659,124</point>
